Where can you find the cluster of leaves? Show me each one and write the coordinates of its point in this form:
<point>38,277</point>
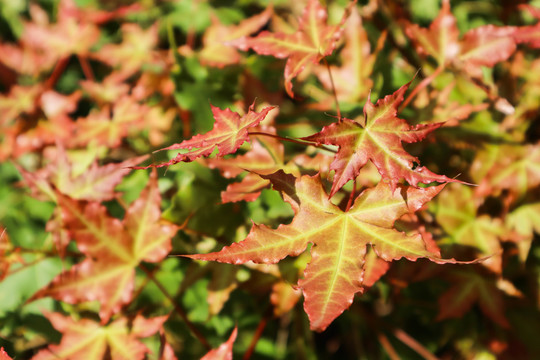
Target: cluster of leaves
<point>290,217</point>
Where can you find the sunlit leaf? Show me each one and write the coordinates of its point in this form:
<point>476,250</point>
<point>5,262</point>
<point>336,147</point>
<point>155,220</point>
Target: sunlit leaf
<point>85,338</point>
<point>340,239</point>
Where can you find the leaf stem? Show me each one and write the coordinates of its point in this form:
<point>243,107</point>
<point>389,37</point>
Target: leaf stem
<point>387,346</point>
<point>421,86</point>
<point>296,141</point>
<point>334,91</point>
<point>194,331</point>
<point>57,72</point>
<point>86,68</point>
<point>258,333</point>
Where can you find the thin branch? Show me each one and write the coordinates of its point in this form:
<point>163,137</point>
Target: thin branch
<point>421,86</point>
<point>413,344</point>
<point>392,354</point>
<point>195,332</point>
<point>86,68</point>
<point>258,333</point>
<point>334,91</point>
<point>57,72</point>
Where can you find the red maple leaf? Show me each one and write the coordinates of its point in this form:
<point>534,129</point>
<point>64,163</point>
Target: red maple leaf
<point>4,355</point>
<point>229,133</point>
<point>313,40</point>
<point>352,79</point>
<point>485,45</point>
<point>113,249</point>
<point>87,339</point>
<point>216,51</point>
<point>340,240</point>
<point>529,35</point>
<point>377,136</point>
<point>469,286</point>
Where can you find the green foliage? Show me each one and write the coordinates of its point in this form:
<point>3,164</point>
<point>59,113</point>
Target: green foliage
<point>330,236</point>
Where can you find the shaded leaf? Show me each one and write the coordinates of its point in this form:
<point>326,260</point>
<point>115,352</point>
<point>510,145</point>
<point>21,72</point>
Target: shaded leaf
<point>470,287</point>
<point>516,168</point>
<point>524,222</point>
<point>9,255</point>
<point>484,45</point>
<point>216,50</point>
<point>353,78</point>
<point>110,125</point>
<point>138,48</point>
<point>284,297</point>
<point>221,285</point>
<point>93,183</point>
<point>456,212</point>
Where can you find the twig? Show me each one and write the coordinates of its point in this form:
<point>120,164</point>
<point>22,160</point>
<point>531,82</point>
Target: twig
<point>392,354</point>
<point>86,68</point>
<point>57,71</point>
<point>413,344</point>
<point>258,333</point>
<point>421,86</point>
<point>195,332</point>
<point>296,141</point>
<point>334,91</point>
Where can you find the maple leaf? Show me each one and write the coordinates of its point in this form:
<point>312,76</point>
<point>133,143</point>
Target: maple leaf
<point>107,90</point>
<point>224,351</point>
<point>137,49</point>
<point>313,40</point>
<point>456,211</point>
<point>529,35</point>
<point>471,287</point>
<point>87,339</point>
<point>374,268</point>
<point>4,355</point>
<point>113,249</point>
<point>69,35</point>
<point>221,285</point>
<point>485,45</point>
<point>110,125</point>
<point>524,221</point>
<point>516,168</point>
<point>284,297</point>
<point>216,51</point>
<point>90,182</point>
<point>266,156</point>
<point>25,59</point>
<point>340,242</point>
<point>229,133</point>
<point>377,136</point>
<point>443,107</point>
<point>352,79</point>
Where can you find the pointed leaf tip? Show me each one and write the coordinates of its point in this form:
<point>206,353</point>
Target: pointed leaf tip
<point>339,239</point>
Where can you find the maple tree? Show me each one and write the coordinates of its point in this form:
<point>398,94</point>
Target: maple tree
<point>165,194</point>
